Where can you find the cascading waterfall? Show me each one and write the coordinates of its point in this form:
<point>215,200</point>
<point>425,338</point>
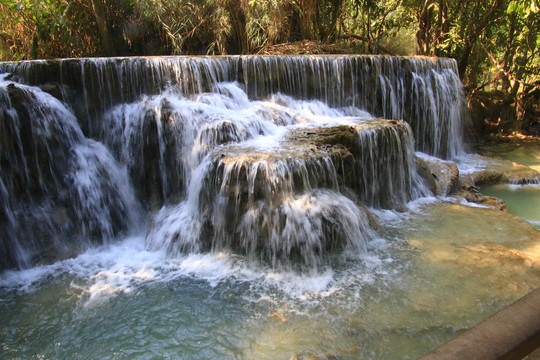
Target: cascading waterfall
<point>425,92</point>
<point>260,205</point>
<point>237,152</point>
<point>245,207</point>
<point>246,192</point>
<point>60,190</point>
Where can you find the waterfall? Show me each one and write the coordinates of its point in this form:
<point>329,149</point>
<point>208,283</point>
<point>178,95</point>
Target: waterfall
<point>59,190</point>
<point>275,158</point>
<point>265,207</point>
<point>425,92</point>
<point>283,198</point>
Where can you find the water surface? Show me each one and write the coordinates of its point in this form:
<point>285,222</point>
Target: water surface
<point>522,200</point>
<point>435,271</point>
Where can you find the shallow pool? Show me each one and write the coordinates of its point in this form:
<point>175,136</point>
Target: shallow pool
<point>434,271</point>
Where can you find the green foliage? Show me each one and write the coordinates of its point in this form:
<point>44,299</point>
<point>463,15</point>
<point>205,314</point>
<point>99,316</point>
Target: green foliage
<point>376,21</point>
<point>521,54</point>
<point>27,25</point>
<point>496,45</point>
<point>189,26</point>
<point>267,23</point>
<point>43,28</point>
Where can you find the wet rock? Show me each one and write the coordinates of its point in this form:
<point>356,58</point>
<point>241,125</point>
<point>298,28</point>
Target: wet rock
<point>337,135</point>
<point>496,170</point>
<point>53,89</point>
<point>59,192</point>
<point>37,144</point>
<point>382,172</point>
<point>150,182</point>
<point>295,202</point>
<point>282,206</point>
<point>490,170</point>
<point>441,176</point>
<point>298,201</point>
<point>473,195</point>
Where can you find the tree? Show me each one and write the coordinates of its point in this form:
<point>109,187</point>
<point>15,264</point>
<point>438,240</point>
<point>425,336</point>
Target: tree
<point>375,21</point>
<point>512,50</point>
<point>453,28</point>
<point>46,28</point>
<point>100,12</point>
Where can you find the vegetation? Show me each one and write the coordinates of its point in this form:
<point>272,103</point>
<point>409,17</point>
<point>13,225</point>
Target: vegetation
<point>496,43</point>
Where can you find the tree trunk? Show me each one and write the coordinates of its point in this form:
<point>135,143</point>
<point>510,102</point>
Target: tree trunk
<point>336,12</point>
<point>307,14</point>
<point>442,25</point>
<point>424,29</point>
<point>100,12</point>
<point>239,39</point>
<point>464,61</point>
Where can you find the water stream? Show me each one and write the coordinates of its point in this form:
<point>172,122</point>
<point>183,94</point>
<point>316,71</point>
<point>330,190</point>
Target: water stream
<point>241,208</point>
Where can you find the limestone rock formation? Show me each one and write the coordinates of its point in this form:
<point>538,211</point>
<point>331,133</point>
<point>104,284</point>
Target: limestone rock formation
<point>441,176</point>
<point>495,170</point>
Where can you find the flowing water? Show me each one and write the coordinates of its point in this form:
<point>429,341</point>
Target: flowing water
<point>423,281</point>
<point>188,208</point>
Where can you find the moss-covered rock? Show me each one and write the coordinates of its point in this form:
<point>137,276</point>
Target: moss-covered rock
<point>473,195</point>
<point>343,135</point>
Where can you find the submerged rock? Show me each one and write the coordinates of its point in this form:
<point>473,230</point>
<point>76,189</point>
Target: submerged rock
<point>472,194</point>
<point>488,244</point>
<point>339,354</point>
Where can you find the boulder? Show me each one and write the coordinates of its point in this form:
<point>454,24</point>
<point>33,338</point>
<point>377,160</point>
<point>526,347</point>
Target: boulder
<point>441,176</point>
<point>473,195</point>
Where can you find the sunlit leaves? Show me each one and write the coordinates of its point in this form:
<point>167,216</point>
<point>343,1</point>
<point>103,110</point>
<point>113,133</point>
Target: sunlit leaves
<point>30,24</point>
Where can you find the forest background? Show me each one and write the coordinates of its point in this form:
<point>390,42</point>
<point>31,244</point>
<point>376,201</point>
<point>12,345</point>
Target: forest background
<point>496,43</point>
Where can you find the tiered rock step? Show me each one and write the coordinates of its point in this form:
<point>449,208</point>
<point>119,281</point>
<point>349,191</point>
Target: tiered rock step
<point>372,157</point>
<point>304,197</point>
<point>425,92</point>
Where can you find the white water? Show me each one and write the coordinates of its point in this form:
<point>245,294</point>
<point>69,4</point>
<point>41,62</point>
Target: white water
<point>201,122</point>
<point>253,205</point>
<point>253,248</point>
<point>425,92</point>
<point>57,183</point>
<point>260,195</point>
<point>390,301</point>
